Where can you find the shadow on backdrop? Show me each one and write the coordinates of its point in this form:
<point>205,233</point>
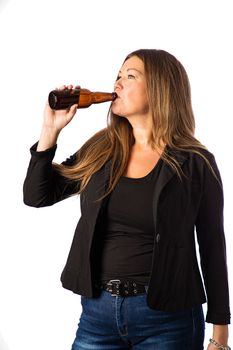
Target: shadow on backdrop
<point>3,4</point>
<point>3,345</point>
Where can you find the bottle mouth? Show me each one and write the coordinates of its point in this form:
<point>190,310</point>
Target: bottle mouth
<point>114,95</point>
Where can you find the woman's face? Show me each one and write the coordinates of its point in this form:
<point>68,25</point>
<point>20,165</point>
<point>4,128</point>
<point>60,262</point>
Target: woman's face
<point>130,87</point>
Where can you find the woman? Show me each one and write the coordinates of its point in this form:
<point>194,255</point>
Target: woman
<point>147,185</point>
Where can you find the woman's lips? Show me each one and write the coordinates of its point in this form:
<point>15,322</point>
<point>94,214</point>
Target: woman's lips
<point>116,98</point>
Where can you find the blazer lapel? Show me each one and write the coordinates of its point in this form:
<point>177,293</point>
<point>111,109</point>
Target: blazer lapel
<point>165,175</point>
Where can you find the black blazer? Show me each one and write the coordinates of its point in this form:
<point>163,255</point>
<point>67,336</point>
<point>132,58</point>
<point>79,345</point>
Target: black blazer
<point>180,208</point>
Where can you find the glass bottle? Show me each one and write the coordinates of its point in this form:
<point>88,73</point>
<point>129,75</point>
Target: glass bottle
<point>63,99</point>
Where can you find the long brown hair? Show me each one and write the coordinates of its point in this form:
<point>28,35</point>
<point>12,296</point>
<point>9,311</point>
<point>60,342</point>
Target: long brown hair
<point>169,99</point>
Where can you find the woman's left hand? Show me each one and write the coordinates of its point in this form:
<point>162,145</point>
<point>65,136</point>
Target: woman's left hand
<point>211,347</point>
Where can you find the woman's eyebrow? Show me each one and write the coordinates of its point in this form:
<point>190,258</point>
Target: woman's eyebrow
<point>132,69</point>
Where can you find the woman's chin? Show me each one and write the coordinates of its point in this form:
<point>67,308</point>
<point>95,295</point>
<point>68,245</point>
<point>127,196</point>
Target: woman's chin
<point>116,111</point>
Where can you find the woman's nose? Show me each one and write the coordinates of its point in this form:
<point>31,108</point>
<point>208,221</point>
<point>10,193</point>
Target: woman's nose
<point>118,84</point>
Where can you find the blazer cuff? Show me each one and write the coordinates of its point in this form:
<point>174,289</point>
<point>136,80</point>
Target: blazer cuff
<point>218,318</point>
<point>48,153</point>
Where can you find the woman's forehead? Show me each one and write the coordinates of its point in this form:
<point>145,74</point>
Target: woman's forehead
<point>133,62</point>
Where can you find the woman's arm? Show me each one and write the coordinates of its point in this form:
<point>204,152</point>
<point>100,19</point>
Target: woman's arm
<point>43,185</point>
<point>212,246</point>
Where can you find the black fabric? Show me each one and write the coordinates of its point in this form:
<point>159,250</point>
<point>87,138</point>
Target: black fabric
<point>125,240</point>
<point>179,207</point>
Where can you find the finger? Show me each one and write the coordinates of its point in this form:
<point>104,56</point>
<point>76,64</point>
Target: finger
<point>60,87</point>
<point>65,87</point>
<point>73,108</point>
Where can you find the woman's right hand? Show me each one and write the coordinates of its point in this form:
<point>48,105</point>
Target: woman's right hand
<point>54,122</point>
<point>57,119</point>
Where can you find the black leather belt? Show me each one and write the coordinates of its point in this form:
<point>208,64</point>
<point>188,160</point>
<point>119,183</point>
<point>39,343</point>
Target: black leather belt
<point>123,288</point>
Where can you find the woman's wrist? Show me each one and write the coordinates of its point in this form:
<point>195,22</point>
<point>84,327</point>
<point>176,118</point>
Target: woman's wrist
<point>218,345</point>
<point>48,138</point>
<point>220,334</point>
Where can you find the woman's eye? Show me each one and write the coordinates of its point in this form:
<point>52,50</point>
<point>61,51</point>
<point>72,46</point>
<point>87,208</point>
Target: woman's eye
<point>130,76</point>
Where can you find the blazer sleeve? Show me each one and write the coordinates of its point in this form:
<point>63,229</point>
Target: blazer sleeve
<point>43,186</point>
<point>212,246</point>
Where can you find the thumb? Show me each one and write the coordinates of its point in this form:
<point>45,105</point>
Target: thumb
<point>73,110</point>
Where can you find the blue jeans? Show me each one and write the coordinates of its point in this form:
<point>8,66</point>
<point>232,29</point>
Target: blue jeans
<point>112,322</point>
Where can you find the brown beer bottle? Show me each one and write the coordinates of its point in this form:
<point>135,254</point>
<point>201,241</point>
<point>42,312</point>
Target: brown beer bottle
<point>63,99</point>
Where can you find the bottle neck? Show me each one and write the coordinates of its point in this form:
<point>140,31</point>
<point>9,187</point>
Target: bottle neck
<point>98,97</point>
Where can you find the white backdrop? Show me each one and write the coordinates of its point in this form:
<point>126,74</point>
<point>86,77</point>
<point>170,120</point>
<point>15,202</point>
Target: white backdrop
<point>50,42</point>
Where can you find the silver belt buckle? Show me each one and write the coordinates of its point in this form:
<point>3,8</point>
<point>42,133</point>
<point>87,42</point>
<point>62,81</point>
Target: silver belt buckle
<point>110,283</point>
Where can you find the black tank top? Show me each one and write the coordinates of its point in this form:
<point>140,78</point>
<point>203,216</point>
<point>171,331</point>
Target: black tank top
<point>124,240</point>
